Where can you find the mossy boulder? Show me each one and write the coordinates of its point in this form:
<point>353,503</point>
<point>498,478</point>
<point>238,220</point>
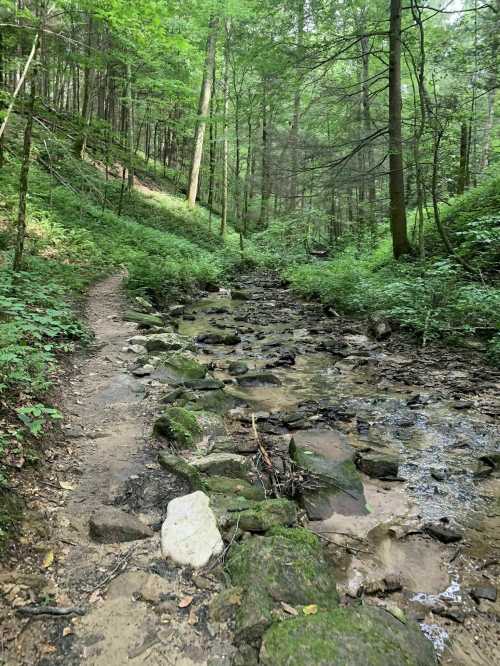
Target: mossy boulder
<point>224,464</point>
<point>144,319</point>
<point>224,485</point>
<point>329,458</point>
<point>180,367</point>
<point>346,637</point>
<point>167,342</point>
<point>253,516</point>
<point>179,426</point>
<point>277,569</point>
<point>181,469</point>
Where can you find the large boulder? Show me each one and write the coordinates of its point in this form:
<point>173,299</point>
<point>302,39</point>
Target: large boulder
<point>346,637</point>
<point>335,485</point>
<point>378,465</point>
<point>189,534</point>
<point>179,426</point>
<point>180,367</point>
<point>163,342</point>
<point>110,525</point>
<point>143,319</point>
<point>287,567</point>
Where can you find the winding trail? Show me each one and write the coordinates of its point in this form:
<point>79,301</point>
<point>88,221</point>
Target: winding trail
<point>436,411</point>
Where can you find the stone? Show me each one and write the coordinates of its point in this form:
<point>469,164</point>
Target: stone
<point>164,342</point>
<point>443,534</point>
<point>378,465</point>
<point>237,368</point>
<point>143,319</point>
<point>223,605</point>
<point>288,567</point>
<point>258,379</point>
<point>239,295</point>
<point>219,339</point>
<point>207,384</point>
<point>136,349</point>
<point>328,456</point>
<point>379,326</point>
<point>366,636</point>
<point>253,516</point>
<point>111,525</point>
<point>176,310</point>
<point>189,534</point>
<point>439,474</point>
<point>181,469</point>
<point>225,485</point>
<point>484,592</point>
<point>180,367</point>
<point>143,304</point>
<point>223,464</point>
<point>180,426</point>
<point>143,371</point>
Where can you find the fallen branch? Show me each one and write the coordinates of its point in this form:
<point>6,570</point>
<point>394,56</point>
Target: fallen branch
<point>115,571</point>
<point>265,457</point>
<point>51,610</point>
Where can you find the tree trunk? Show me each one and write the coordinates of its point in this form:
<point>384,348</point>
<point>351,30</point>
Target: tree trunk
<point>225,92</point>
<point>266,174</point>
<point>130,130</point>
<point>400,243</point>
<point>462,168</point>
<point>204,101</point>
<point>81,141</point>
<point>294,132</point>
<point>24,173</point>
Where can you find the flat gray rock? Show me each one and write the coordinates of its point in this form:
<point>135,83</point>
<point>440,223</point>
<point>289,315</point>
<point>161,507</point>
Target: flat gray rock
<point>223,464</point>
<point>189,534</point>
<point>110,525</point>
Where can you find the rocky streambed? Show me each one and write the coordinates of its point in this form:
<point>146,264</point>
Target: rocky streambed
<point>322,493</point>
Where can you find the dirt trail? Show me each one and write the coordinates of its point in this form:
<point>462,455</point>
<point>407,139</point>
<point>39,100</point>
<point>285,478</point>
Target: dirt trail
<point>118,585</point>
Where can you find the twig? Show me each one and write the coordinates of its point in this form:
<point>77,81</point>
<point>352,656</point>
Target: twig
<point>115,571</point>
<point>51,610</point>
<point>265,457</point>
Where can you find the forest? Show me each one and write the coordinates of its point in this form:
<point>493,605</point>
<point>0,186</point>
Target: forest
<point>249,261</point>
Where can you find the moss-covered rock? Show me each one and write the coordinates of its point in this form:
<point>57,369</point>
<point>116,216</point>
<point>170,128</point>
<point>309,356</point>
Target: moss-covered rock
<point>253,516</point>
<point>346,637</point>
<point>327,455</point>
<point>224,464</point>
<point>298,534</point>
<point>277,569</point>
<point>224,485</point>
<point>181,366</point>
<point>181,469</point>
<point>178,425</point>
<point>144,319</point>
<point>167,342</point>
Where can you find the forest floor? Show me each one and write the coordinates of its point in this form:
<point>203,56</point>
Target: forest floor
<point>434,409</point>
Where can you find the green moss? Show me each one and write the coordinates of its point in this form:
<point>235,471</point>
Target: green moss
<point>346,637</point>
<point>143,319</point>
<point>253,516</point>
<point>182,366</point>
<point>225,485</point>
<point>178,425</point>
<point>181,469</point>
<point>274,569</point>
<point>297,534</point>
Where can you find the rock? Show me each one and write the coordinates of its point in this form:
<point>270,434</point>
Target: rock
<point>136,349</point>
<point>439,474</point>
<point>143,305</point>
<point>223,605</point>
<point>189,534</point>
<point>258,379</point>
<point>379,326</point>
<point>173,396</point>
<point>492,459</point>
<point>484,592</point>
<point>225,485</point>
<point>140,584</point>
<point>253,516</point>
<point>443,534</point>
<point>462,404</point>
<point>212,401</point>
<point>378,465</point>
<point>164,342</point>
<point>207,384</point>
<point>143,319</point>
<point>223,464</point>
<point>219,339</point>
<point>237,368</point>
<point>346,637</point>
<point>181,469</point>
<point>239,295</point>
<point>288,567</point>
<point>143,371</point>
<point>178,425</point>
<point>176,310</point>
<point>180,367</point>
<point>110,525</point>
<point>328,456</point>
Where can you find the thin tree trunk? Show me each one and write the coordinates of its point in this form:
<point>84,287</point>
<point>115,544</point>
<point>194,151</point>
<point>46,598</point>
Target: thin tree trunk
<point>400,242</point>
<point>225,93</point>
<point>294,132</point>
<point>25,168</point>
<point>266,175</point>
<point>130,130</point>
<point>81,141</point>
<point>204,101</point>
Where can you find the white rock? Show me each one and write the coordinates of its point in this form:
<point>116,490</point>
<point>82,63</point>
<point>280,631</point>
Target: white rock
<point>189,534</point>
